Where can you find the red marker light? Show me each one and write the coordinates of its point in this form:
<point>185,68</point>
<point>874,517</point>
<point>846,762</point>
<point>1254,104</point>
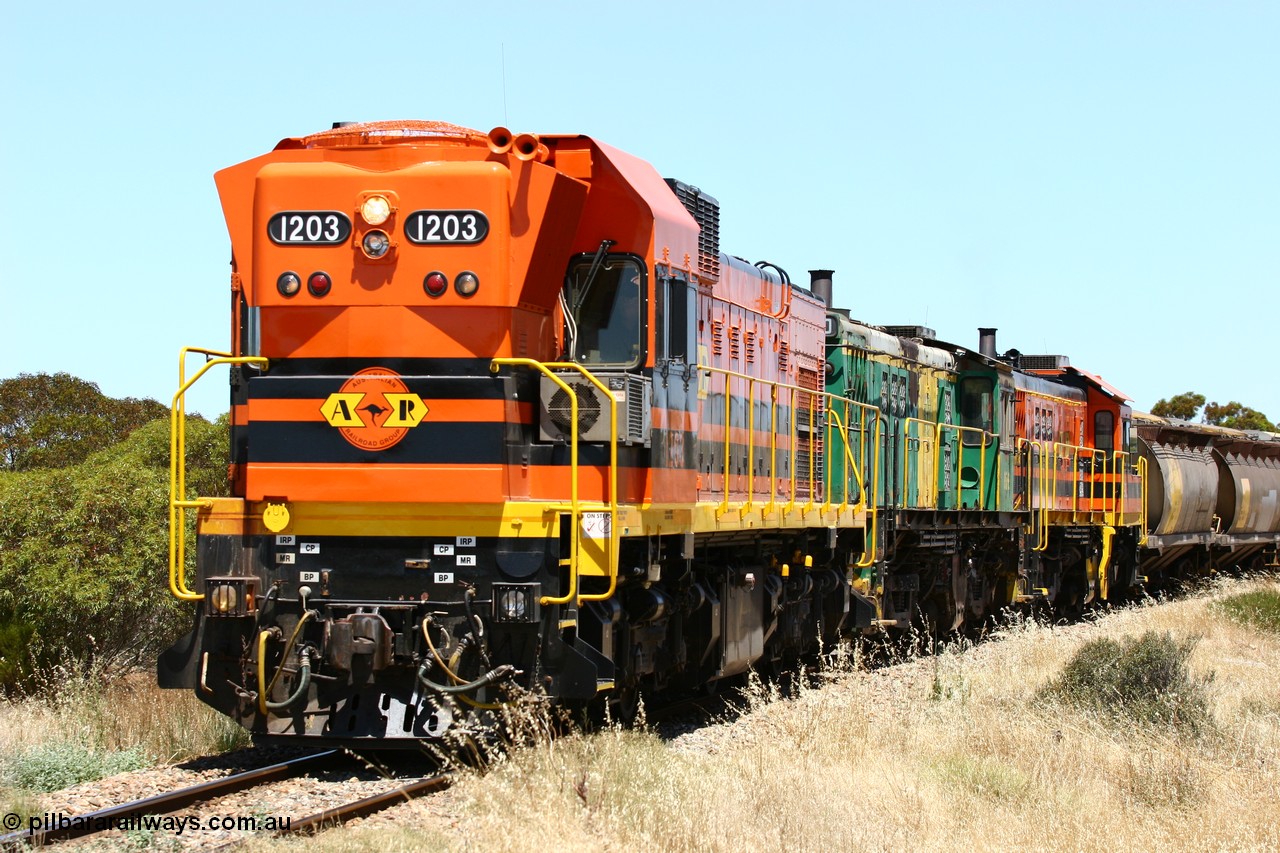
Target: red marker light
<point>319,283</point>
<point>435,284</point>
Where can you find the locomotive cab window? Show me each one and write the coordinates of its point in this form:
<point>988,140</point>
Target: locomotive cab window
<point>606,310</point>
<point>975,407</point>
<point>1104,425</point>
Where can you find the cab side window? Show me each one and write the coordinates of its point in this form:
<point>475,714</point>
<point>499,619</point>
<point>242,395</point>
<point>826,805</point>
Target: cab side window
<point>1104,426</point>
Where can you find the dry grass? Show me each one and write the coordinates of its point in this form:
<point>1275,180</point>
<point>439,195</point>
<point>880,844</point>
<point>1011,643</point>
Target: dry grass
<point>82,728</point>
<point>944,752</point>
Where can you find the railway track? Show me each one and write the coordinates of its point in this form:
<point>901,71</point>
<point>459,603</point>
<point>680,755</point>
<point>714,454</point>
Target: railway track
<point>105,820</point>
<point>673,717</point>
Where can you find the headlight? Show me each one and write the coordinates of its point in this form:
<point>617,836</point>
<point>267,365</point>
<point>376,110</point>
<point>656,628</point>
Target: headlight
<point>511,605</point>
<point>375,244</point>
<point>231,596</point>
<point>516,602</point>
<point>224,597</point>
<point>375,210</point>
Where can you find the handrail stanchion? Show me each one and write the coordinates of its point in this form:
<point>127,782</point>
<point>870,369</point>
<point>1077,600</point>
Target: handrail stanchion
<point>615,542</point>
<point>751,445</point>
<point>869,555</point>
<point>178,504</point>
<point>728,413</point>
<point>574,509</point>
<point>773,449</point>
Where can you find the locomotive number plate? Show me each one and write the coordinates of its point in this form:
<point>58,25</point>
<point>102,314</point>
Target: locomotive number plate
<point>446,226</point>
<point>308,228</point>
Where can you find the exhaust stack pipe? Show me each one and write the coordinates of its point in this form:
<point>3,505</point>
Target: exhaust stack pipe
<point>820,285</point>
<point>987,342</point>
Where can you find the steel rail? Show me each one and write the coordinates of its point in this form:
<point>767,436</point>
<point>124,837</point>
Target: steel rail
<point>368,805</point>
<point>103,819</point>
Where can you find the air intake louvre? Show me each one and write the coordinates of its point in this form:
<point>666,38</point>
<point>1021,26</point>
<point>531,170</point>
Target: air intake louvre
<point>705,211</point>
<point>1043,362</point>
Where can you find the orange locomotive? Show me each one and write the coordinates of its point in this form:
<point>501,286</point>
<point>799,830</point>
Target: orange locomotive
<point>503,417</point>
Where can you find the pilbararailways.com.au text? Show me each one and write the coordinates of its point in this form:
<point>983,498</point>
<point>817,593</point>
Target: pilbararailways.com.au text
<point>54,821</point>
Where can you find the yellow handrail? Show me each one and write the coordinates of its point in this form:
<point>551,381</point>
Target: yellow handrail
<point>1037,497</point>
<point>178,504</point>
<point>728,417</point>
<point>848,453</point>
<point>813,396</point>
<point>906,458</point>
<point>869,555</point>
<point>1142,500</point>
<point>1120,471</point>
<point>1075,451</point>
<point>982,462</point>
<point>1045,494</point>
<point>574,510</point>
<point>615,543</point>
<point>793,428</point>
<point>773,449</point>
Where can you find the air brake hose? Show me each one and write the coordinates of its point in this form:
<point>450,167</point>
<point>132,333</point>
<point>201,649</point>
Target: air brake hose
<point>497,674</point>
<point>304,681</point>
<point>477,627</point>
<point>457,679</point>
<point>264,689</point>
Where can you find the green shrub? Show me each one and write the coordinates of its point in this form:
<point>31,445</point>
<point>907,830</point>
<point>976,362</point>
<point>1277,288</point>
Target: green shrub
<point>1143,680</point>
<point>61,764</point>
<point>1258,609</point>
<point>84,554</point>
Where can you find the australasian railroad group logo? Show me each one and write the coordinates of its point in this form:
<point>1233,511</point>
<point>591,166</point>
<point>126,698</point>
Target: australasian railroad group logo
<point>374,409</point>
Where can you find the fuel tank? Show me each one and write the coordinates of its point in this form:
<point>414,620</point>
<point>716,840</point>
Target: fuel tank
<point>1248,492</point>
<point>1182,487</point>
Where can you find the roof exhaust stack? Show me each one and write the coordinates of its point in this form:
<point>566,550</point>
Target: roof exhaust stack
<point>820,285</point>
<point>987,342</point>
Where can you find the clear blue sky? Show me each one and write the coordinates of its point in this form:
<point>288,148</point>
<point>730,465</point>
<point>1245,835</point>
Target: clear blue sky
<point>1097,179</point>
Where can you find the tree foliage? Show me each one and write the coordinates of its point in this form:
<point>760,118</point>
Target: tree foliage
<point>1237,416</point>
<point>84,551</point>
<point>1183,406</point>
<point>52,420</point>
<point>1232,414</point>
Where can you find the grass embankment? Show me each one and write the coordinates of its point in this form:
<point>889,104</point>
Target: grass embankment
<point>81,728</point>
<point>1050,739</point>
